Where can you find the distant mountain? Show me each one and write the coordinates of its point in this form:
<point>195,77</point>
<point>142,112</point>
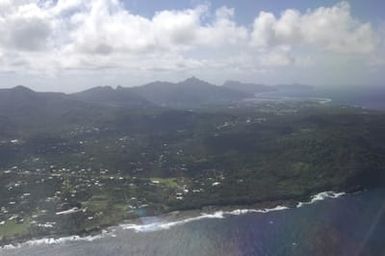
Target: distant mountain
<point>22,100</point>
<point>24,109</point>
<point>188,93</point>
<point>20,105</point>
<point>24,103</point>
<point>22,96</point>
<point>119,97</point>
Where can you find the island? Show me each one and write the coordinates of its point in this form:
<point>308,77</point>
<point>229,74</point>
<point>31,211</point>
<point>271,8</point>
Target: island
<point>90,166</point>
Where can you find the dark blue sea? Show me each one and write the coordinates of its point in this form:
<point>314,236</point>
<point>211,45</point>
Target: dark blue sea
<point>350,225</point>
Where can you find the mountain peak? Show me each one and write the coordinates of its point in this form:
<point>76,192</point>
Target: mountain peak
<point>193,78</point>
<point>22,88</point>
<point>192,81</point>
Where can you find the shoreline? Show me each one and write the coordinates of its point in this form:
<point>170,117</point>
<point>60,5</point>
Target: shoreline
<point>168,220</point>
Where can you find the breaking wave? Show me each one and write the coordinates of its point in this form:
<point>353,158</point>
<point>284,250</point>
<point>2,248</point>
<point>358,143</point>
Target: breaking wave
<point>216,215</point>
<point>61,240</point>
<point>321,196</point>
<point>159,225</point>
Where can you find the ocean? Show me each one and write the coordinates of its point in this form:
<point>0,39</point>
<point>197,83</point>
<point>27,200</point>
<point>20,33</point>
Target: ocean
<point>351,225</point>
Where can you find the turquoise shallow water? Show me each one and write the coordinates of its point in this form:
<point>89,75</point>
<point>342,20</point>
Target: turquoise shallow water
<point>349,225</point>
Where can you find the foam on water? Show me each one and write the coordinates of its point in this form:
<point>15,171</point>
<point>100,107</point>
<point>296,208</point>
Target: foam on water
<point>167,225</point>
<point>156,226</point>
<point>321,196</point>
<point>61,240</point>
<point>159,225</point>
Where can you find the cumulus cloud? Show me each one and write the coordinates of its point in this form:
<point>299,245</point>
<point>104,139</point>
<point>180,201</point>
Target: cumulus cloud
<point>106,27</point>
<point>279,56</point>
<point>24,26</point>
<point>330,28</point>
<point>74,34</point>
<point>54,36</point>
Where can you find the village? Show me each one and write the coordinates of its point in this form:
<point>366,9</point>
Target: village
<point>42,201</point>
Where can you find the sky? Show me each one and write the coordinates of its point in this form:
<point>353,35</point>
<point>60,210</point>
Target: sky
<point>72,45</point>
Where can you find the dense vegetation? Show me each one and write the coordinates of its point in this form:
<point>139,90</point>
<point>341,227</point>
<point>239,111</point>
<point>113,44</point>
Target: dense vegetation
<point>78,167</point>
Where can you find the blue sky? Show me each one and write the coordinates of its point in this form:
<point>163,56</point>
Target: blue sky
<point>370,10</point>
<point>71,45</point>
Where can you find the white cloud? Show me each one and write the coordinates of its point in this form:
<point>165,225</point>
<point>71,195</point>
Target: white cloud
<point>330,28</point>
<point>24,26</point>
<point>107,27</point>
<point>104,33</point>
<point>279,56</point>
<point>224,30</point>
<point>53,37</point>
